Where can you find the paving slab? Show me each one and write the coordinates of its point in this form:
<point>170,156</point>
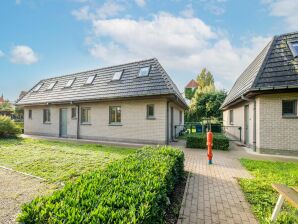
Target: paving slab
<point>16,189</point>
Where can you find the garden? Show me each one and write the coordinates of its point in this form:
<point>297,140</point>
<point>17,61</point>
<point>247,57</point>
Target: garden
<point>96,183</point>
<point>259,192</point>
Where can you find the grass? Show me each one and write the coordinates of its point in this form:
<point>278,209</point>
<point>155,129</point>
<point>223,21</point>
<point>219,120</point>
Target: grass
<point>259,192</point>
<point>57,161</point>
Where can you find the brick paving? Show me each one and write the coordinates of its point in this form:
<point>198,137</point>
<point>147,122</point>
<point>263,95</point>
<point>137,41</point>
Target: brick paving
<point>212,194</point>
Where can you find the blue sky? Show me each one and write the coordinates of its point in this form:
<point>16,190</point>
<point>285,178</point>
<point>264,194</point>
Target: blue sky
<point>45,38</point>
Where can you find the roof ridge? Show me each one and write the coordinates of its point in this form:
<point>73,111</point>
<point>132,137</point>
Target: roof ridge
<point>170,81</point>
<point>96,69</point>
<point>272,43</point>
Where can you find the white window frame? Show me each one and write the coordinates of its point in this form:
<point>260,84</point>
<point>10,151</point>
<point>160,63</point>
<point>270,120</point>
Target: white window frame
<point>117,75</point>
<point>74,109</point>
<point>90,80</point>
<point>116,121</point>
<point>46,116</point>
<point>52,85</point>
<point>69,83</point>
<point>87,119</point>
<point>231,117</point>
<point>148,115</point>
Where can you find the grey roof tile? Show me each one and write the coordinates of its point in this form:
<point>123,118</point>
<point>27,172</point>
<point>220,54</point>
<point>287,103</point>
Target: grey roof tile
<point>275,67</point>
<point>130,85</point>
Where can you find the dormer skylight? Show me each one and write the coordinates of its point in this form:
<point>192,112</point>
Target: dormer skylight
<point>294,48</point>
<point>90,79</point>
<point>117,75</point>
<point>51,86</point>
<point>69,83</point>
<point>144,71</point>
<point>37,87</point>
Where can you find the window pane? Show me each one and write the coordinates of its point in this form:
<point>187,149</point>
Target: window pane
<point>117,75</point>
<point>295,48</point>
<point>118,119</point>
<point>51,86</point>
<point>37,87</point>
<point>289,107</point>
<point>90,79</point>
<point>73,112</point>
<point>144,71</point>
<point>150,110</point>
<point>69,83</point>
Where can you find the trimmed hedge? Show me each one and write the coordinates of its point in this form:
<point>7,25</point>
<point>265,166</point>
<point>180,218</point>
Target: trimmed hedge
<point>220,142</point>
<point>8,127</point>
<point>133,190</point>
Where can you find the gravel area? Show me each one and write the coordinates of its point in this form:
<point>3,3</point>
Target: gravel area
<point>16,189</point>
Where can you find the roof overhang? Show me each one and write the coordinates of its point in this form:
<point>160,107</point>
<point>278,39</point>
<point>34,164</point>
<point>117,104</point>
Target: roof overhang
<point>172,97</point>
<point>258,91</point>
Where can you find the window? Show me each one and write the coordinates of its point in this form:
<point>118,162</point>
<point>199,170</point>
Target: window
<point>117,75</point>
<point>73,113</point>
<point>115,114</point>
<point>37,87</point>
<point>51,86</point>
<point>46,116</point>
<point>231,117</point>
<point>150,111</point>
<point>294,48</point>
<point>86,115</point>
<point>289,107</point>
<point>90,79</point>
<point>180,117</point>
<point>144,71</point>
<point>69,83</point>
<point>30,114</point>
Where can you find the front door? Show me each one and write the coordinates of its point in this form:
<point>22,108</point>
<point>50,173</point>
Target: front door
<point>63,122</point>
<point>246,124</point>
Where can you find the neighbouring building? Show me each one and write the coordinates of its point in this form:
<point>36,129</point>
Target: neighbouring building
<point>135,102</point>
<point>190,89</point>
<point>263,100</point>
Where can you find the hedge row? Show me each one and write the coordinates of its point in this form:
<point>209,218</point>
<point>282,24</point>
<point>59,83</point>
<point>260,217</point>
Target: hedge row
<point>220,142</point>
<point>8,128</point>
<point>133,190</point>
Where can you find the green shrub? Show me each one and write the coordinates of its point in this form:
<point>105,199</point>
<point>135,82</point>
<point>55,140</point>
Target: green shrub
<point>8,127</point>
<point>133,190</point>
<point>220,142</point>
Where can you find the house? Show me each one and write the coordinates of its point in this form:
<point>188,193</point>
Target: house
<point>190,89</point>
<point>135,102</point>
<point>263,100</point>
<point>2,100</point>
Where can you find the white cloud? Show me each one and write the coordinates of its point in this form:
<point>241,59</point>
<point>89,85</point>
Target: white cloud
<point>18,2</point>
<point>287,9</point>
<point>188,11</point>
<point>22,54</point>
<point>140,3</point>
<point>108,9</point>
<point>183,45</point>
<point>1,54</point>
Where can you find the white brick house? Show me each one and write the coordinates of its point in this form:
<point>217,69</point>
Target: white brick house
<point>135,102</point>
<point>263,100</point>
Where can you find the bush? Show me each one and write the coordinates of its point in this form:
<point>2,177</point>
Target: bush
<point>220,142</point>
<point>8,127</point>
<point>133,190</point>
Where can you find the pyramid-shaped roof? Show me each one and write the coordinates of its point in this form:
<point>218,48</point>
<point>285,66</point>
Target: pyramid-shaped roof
<point>276,67</point>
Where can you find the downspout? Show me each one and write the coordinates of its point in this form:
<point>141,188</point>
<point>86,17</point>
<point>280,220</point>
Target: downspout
<point>167,123</point>
<point>78,122</point>
<point>255,127</point>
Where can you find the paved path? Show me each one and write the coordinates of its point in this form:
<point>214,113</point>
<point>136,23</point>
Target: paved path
<point>212,194</point>
<point>16,189</point>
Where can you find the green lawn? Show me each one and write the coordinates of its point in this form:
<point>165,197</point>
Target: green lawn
<point>57,161</point>
<point>259,192</point>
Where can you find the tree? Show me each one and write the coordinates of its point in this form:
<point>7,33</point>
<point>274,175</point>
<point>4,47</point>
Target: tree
<point>205,80</point>
<point>206,106</point>
<point>6,107</point>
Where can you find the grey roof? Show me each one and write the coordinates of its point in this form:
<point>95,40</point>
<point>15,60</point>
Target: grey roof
<point>274,68</point>
<point>130,85</point>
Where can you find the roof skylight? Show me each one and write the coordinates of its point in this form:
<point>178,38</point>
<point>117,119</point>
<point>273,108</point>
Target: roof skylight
<point>69,83</point>
<point>117,75</point>
<point>90,79</point>
<point>144,71</point>
<point>51,86</point>
<point>294,48</point>
<point>37,87</point>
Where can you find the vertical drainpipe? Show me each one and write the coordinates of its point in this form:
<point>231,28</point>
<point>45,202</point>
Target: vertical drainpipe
<point>255,126</point>
<point>78,122</point>
<point>167,123</point>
